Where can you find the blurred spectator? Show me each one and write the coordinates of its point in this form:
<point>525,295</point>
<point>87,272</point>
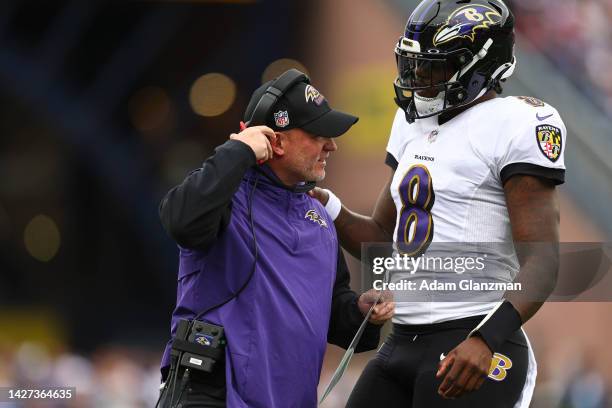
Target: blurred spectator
<point>577,36</point>
<point>586,390</point>
<point>111,377</point>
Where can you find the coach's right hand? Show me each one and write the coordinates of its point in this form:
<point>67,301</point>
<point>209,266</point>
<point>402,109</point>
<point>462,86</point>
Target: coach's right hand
<point>258,138</point>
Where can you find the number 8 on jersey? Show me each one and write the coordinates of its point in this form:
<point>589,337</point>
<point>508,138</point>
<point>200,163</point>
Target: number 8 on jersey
<point>416,227</point>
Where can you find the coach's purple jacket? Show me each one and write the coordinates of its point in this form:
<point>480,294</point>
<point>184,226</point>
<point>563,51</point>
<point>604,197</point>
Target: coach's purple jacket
<point>298,298</point>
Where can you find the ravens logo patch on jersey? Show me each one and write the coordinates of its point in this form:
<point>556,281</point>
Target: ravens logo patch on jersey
<point>550,141</point>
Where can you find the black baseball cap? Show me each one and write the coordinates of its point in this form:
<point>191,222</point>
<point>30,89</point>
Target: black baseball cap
<point>302,106</point>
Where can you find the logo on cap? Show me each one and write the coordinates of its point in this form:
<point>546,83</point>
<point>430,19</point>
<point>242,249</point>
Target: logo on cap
<point>281,118</point>
<point>312,95</point>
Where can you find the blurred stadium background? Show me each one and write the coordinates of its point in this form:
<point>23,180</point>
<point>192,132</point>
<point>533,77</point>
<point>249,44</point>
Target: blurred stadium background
<point>106,105</point>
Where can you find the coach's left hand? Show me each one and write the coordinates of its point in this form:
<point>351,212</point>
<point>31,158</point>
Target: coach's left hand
<point>465,368</point>
<point>383,310</point>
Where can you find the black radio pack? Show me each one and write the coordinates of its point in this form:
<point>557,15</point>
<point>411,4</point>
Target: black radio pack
<point>199,345</point>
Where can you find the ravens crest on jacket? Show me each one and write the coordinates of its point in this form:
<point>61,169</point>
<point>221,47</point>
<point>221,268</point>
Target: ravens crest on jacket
<point>314,216</point>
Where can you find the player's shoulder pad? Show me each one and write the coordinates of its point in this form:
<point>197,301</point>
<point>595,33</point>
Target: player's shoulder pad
<point>399,118</point>
<point>536,123</point>
<point>399,134</point>
<point>401,126</point>
<point>521,113</point>
<point>529,108</point>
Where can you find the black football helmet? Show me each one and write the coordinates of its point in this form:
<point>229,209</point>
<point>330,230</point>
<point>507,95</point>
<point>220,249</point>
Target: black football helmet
<point>453,52</point>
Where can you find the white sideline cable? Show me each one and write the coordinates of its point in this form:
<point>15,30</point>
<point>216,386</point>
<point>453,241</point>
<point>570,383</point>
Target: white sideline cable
<point>346,358</point>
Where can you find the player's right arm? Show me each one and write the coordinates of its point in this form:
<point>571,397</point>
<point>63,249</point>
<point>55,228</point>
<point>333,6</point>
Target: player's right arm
<point>196,211</point>
<point>354,229</point>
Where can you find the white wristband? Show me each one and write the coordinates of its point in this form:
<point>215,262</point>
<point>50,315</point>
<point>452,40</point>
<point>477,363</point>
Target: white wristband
<point>333,205</point>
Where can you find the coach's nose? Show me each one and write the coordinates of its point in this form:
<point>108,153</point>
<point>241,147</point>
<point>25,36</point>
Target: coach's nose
<point>330,145</point>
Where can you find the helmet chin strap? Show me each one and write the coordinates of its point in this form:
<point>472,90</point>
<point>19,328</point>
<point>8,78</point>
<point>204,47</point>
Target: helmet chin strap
<point>481,54</point>
<point>505,71</point>
<point>426,106</point>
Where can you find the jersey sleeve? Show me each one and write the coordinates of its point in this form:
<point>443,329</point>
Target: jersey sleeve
<point>535,148</point>
<point>396,144</point>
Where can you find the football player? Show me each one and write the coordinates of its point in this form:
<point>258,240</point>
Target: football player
<point>467,166</point>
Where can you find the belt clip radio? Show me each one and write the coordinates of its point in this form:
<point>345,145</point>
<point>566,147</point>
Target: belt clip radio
<point>199,345</point>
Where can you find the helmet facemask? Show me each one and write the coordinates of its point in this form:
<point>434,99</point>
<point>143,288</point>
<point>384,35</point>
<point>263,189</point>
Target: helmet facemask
<point>431,83</point>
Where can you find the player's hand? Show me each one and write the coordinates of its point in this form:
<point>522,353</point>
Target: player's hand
<point>320,195</point>
<point>258,138</point>
<point>465,368</point>
<point>383,310</point>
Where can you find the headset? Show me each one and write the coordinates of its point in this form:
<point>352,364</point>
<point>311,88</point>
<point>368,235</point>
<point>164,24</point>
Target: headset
<point>260,113</point>
<point>274,92</point>
<point>263,108</point>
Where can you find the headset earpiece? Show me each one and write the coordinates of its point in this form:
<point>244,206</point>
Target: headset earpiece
<point>274,92</point>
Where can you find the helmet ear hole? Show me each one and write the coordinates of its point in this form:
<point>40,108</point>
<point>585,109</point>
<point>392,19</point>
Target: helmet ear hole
<point>456,95</point>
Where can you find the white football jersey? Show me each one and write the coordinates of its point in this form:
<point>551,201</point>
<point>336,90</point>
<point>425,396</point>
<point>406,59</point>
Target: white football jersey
<point>449,183</point>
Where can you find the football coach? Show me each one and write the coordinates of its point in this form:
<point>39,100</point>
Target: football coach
<point>262,282</point>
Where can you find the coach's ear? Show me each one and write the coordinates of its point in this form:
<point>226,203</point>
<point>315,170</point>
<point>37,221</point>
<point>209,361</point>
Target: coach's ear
<point>279,145</point>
